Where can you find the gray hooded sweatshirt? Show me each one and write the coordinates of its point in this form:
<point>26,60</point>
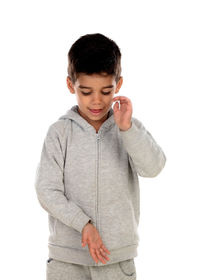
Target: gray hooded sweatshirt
<point>85,175</point>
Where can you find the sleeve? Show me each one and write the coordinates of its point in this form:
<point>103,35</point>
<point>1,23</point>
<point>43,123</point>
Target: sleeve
<point>49,184</point>
<point>146,155</point>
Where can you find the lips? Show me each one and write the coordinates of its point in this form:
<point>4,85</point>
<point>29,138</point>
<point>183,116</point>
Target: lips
<point>95,110</point>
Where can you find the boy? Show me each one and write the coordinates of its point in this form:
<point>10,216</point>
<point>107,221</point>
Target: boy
<point>87,178</point>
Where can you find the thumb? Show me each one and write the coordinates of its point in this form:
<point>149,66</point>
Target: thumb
<point>116,106</point>
<point>83,242</point>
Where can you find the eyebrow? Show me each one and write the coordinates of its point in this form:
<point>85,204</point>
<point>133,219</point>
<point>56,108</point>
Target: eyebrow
<point>109,86</point>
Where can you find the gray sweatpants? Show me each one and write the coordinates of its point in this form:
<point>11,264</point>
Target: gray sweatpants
<point>57,270</point>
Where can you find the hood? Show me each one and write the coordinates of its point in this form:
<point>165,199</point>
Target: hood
<point>74,115</point>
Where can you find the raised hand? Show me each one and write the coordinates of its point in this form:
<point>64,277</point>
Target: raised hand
<point>90,236</point>
<point>123,114</point>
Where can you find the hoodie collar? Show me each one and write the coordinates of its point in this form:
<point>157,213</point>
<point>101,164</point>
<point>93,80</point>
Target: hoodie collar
<point>74,115</point>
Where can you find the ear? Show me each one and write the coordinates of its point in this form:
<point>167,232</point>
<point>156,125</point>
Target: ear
<point>119,84</point>
<point>70,84</point>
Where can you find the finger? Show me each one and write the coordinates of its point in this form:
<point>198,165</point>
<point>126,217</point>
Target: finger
<point>122,101</point>
<point>105,249</point>
<point>94,255</point>
<point>116,106</point>
<point>104,254</point>
<point>84,242</point>
<point>120,98</point>
<point>100,256</point>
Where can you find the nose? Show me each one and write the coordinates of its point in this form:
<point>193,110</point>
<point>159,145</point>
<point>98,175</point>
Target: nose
<point>96,99</point>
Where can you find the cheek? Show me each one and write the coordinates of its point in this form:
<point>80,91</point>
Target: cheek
<point>110,98</point>
<point>82,98</point>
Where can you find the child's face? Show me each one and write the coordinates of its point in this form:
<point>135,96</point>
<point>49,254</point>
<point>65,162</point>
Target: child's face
<point>97,95</point>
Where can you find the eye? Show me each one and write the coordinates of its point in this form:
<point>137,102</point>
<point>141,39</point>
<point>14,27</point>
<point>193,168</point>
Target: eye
<point>87,93</point>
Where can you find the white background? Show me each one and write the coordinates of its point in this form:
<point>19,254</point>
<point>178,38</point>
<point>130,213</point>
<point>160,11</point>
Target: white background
<point>160,44</point>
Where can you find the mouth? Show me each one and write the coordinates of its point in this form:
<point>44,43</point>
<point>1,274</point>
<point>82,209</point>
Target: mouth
<point>95,111</point>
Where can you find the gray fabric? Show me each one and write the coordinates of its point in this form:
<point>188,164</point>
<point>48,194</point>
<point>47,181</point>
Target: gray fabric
<point>57,270</point>
<point>85,175</point>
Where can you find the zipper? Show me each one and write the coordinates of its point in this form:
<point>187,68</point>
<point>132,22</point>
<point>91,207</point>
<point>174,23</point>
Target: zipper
<point>97,172</point>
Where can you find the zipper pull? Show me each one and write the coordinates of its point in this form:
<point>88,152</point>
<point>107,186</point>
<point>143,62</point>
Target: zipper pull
<point>98,136</point>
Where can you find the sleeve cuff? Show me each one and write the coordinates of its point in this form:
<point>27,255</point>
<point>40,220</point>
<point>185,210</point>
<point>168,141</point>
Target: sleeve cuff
<point>79,221</point>
<point>131,135</point>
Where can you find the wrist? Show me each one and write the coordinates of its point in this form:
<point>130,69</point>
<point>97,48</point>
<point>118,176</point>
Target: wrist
<point>126,128</point>
<point>89,222</point>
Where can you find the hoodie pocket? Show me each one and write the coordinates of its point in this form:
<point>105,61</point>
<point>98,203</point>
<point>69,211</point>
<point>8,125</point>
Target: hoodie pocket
<point>49,260</point>
<point>127,269</point>
<point>55,270</point>
<point>58,270</point>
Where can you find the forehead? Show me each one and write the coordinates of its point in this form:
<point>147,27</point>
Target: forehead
<point>95,80</point>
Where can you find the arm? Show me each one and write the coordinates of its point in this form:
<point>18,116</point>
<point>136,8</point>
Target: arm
<point>49,184</point>
<point>146,155</point>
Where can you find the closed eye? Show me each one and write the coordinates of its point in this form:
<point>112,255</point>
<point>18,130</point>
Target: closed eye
<point>88,93</point>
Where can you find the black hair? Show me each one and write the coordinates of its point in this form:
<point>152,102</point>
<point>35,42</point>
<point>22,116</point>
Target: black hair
<point>94,53</point>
